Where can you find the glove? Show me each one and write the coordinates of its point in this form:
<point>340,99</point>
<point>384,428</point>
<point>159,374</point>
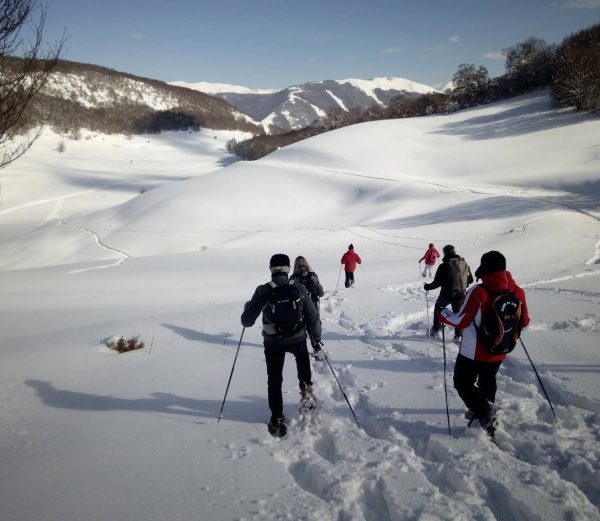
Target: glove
<point>316,343</point>
<point>426,287</point>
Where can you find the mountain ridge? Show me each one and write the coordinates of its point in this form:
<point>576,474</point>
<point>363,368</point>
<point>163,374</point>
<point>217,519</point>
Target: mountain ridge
<point>306,104</point>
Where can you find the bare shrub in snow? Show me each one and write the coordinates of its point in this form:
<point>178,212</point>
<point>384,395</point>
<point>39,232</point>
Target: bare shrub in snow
<point>122,345</point>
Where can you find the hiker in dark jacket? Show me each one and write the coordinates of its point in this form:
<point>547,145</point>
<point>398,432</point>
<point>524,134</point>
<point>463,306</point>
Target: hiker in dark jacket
<point>277,342</point>
<point>453,276</point>
<point>309,279</point>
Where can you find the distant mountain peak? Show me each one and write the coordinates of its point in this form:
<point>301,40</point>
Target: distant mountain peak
<point>218,88</point>
<point>298,106</point>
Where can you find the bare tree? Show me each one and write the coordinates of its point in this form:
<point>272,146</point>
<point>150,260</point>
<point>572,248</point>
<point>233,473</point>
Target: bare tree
<point>531,63</point>
<point>470,84</point>
<point>577,81</point>
<point>24,70</point>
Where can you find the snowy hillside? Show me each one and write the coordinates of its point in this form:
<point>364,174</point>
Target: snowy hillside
<point>301,105</point>
<point>166,238</point>
<point>82,96</point>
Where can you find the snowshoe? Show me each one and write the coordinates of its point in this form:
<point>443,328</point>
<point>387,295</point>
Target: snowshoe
<point>277,427</point>
<point>307,400</point>
<point>318,355</point>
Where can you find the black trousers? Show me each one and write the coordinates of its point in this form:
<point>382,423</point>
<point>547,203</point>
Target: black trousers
<point>440,304</point>
<point>349,279</point>
<point>476,383</point>
<point>275,358</point>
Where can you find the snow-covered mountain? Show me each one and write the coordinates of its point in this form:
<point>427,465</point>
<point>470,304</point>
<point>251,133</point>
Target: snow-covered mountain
<point>80,96</point>
<point>217,88</point>
<point>301,105</point>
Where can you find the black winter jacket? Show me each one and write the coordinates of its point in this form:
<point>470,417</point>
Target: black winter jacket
<point>443,278</point>
<point>305,275</point>
<point>259,301</point>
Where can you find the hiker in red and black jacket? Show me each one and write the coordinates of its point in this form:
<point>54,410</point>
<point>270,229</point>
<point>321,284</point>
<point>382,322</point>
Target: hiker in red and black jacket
<point>430,257</point>
<point>349,260</point>
<point>476,368</point>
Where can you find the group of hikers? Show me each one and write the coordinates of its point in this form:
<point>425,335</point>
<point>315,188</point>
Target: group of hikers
<point>487,320</point>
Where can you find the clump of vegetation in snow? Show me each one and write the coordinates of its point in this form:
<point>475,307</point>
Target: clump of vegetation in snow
<point>122,345</point>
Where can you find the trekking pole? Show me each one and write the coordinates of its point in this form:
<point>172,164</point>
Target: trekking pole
<point>338,282</point>
<point>340,386</point>
<point>427,304</point>
<point>419,268</point>
<point>230,376</point>
<point>539,379</point>
<point>445,389</point>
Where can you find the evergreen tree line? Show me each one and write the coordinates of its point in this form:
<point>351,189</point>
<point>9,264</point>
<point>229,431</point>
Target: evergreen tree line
<point>571,70</point>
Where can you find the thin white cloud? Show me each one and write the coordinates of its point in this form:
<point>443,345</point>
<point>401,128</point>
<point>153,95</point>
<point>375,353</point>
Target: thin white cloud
<point>581,4</point>
<point>454,38</point>
<point>137,36</point>
<point>392,50</point>
<point>494,55</point>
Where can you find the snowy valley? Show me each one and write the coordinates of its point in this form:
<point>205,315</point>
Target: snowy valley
<point>166,236</point>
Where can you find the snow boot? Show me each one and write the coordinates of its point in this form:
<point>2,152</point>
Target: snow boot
<point>277,427</point>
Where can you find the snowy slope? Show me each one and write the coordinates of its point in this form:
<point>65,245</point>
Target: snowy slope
<point>217,88</point>
<point>90,434</point>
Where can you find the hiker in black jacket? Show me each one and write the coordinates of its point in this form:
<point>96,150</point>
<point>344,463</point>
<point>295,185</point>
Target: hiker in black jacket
<point>309,279</point>
<point>453,276</point>
<point>287,314</point>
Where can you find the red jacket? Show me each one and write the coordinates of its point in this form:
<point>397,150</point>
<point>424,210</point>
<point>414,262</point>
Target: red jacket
<point>431,255</point>
<point>350,259</point>
<point>477,302</point>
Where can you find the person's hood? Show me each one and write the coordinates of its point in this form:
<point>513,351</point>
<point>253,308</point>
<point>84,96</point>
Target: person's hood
<point>446,258</point>
<point>499,281</point>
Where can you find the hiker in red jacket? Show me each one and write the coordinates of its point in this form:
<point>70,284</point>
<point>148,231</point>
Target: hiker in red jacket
<point>430,257</point>
<point>476,368</point>
<point>349,260</point>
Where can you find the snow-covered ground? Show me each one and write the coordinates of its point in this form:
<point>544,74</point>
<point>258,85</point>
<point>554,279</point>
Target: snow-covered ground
<point>165,237</point>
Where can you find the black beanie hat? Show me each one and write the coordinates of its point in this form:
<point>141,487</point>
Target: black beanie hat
<point>491,262</point>
<point>449,250</point>
<point>351,247</point>
<point>279,259</point>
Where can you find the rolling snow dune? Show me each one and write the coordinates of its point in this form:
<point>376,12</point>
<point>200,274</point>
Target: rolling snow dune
<point>167,236</point>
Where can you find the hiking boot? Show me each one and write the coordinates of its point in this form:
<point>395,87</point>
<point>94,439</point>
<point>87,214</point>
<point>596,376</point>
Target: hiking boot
<point>277,427</point>
<point>434,333</point>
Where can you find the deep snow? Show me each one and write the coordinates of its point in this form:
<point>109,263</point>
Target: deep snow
<point>86,433</point>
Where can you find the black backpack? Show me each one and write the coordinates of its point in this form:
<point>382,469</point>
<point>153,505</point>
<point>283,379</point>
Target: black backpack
<point>285,304</point>
<point>501,325</point>
<point>306,279</point>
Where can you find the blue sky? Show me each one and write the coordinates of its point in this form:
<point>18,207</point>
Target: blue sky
<point>276,43</point>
